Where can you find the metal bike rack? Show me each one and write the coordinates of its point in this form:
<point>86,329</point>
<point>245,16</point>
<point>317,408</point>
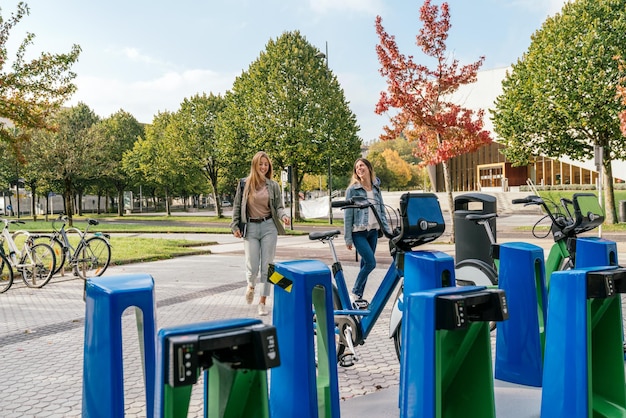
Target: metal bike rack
<point>306,384</point>
<point>234,354</point>
<point>583,373</point>
<point>520,341</point>
<point>446,366</point>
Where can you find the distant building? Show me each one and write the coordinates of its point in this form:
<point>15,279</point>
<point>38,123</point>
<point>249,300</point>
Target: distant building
<point>487,168</point>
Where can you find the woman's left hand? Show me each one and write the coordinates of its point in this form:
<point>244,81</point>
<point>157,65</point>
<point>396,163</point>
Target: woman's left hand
<point>286,220</point>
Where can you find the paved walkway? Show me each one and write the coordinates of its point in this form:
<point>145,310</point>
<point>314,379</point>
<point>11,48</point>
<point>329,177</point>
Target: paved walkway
<point>42,333</point>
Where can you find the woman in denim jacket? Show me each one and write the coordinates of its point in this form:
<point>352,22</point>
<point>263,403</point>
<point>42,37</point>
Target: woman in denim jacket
<point>258,208</point>
<point>361,229</point>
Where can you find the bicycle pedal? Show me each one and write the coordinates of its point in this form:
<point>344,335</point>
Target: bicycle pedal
<point>360,304</point>
<point>347,360</point>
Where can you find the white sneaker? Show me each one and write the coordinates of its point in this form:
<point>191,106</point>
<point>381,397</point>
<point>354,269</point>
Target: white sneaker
<point>249,295</point>
<point>262,309</point>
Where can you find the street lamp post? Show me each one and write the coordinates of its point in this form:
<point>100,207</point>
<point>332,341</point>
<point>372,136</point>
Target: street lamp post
<point>324,56</point>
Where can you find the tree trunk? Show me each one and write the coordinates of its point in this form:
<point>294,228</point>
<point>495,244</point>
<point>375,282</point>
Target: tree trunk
<point>68,198</point>
<point>47,207</point>
<point>99,207</point>
<point>167,203</point>
<point>33,189</point>
<point>79,202</point>
<point>610,214</point>
<point>295,196</point>
<point>120,198</point>
<point>448,182</point>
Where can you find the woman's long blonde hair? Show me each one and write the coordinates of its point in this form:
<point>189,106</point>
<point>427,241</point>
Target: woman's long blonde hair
<point>254,180</point>
<point>355,177</point>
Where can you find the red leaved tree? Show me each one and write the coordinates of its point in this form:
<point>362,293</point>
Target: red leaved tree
<point>422,96</point>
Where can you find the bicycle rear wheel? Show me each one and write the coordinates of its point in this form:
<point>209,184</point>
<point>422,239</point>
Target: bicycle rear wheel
<point>475,272</point>
<point>57,247</point>
<point>6,274</point>
<point>92,257</point>
<point>38,265</point>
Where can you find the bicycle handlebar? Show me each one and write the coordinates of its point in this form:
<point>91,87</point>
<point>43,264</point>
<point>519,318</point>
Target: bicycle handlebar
<point>529,200</point>
<point>354,203</point>
<point>362,203</point>
<point>563,219</point>
<point>12,221</point>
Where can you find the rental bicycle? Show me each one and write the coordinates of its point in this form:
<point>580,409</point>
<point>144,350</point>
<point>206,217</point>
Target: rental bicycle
<point>34,261</point>
<point>419,221</point>
<point>89,257</point>
<point>567,220</point>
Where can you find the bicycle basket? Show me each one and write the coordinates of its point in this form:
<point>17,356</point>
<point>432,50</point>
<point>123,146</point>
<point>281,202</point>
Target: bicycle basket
<point>587,212</point>
<point>422,220</point>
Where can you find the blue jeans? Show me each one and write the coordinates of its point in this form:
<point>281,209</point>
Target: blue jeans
<point>260,247</point>
<point>365,243</point>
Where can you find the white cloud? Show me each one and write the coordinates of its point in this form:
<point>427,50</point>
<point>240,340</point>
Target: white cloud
<point>134,55</point>
<point>144,99</point>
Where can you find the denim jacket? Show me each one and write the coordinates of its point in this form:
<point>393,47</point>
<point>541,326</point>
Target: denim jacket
<point>359,218</point>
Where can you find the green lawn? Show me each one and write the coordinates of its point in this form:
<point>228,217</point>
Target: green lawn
<point>136,249</point>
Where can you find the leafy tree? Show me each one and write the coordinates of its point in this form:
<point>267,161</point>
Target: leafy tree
<point>559,99</point>
<point>31,90</point>
<point>195,123</point>
<point>441,129</point>
<point>399,167</point>
<point>290,105</point>
<point>158,159</point>
<point>413,175</point>
<point>399,144</point>
<point>115,135</point>
<point>383,172</point>
<point>69,154</point>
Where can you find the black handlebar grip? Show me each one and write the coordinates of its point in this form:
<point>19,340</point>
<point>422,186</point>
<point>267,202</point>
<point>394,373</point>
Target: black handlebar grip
<point>523,200</point>
<point>342,203</point>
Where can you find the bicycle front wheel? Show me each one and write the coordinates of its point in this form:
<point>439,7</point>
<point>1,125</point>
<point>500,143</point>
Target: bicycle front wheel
<point>38,264</point>
<point>92,257</point>
<point>6,274</point>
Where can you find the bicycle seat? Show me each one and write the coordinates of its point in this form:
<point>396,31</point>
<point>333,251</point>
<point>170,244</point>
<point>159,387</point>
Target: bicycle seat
<point>323,234</point>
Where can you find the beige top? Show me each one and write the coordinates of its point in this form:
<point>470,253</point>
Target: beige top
<point>259,205</point>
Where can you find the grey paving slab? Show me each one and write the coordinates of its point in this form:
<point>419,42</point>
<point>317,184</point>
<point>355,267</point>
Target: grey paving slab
<point>42,334</point>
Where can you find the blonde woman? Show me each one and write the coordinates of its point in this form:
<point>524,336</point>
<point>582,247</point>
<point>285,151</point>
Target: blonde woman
<point>259,211</point>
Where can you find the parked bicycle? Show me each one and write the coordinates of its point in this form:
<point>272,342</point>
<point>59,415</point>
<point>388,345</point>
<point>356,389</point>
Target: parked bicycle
<point>88,257</point>
<point>568,219</point>
<point>34,261</point>
<point>354,325</point>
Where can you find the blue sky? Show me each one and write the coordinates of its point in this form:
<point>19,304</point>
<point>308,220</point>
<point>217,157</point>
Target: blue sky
<point>147,56</point>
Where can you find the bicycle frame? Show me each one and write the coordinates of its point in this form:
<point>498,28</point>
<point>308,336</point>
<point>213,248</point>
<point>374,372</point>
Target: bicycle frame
<point>368,317</point>
<point>14,252</point>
